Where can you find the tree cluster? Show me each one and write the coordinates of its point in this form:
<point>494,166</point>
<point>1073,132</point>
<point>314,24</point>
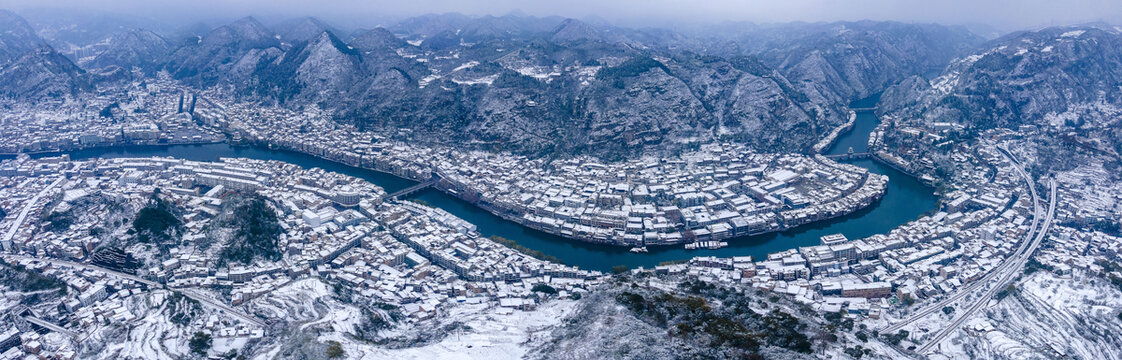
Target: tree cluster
<point>256,231</point>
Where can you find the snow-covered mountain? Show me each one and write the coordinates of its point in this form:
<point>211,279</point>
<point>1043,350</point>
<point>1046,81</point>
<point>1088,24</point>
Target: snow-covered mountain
<point>1064,76</point>
<point>541,85</point>
<point>30,68</point>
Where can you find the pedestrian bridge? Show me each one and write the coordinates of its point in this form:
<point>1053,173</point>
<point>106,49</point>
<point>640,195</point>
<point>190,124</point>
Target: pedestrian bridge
<point>848,156</point>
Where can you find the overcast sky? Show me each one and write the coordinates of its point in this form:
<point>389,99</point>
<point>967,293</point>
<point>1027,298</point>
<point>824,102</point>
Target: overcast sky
<point>1002,14</point>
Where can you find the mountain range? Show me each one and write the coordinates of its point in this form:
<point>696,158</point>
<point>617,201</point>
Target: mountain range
<point>553,85</point>
<point>1062,77</point>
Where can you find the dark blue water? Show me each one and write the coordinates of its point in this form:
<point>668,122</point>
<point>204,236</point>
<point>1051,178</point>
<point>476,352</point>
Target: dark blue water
<point>906,199</point>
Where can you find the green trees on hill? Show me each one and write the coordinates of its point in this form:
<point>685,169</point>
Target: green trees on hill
<point>200,343</point>
<point>728,325</point>
<point>256,231</point>
<point>19,278</point>
<point>630,68</point>
<point>334,350</point>
<point>156,223</point>
<point>545,289</point>
<point>182,310</point>
<point>58,221</point>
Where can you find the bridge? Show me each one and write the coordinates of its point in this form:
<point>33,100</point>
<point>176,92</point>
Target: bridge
<point>847,156</point>
<point>412,189</point>
<point>50,326</point>
<point>864,108</point>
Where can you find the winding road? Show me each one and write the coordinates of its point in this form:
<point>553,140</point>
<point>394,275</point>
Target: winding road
<point>191,293</point>
<point>206,300</point>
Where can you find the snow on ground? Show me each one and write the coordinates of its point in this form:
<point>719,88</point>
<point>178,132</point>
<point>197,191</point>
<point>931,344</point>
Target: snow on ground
<point>946,83</point>
<point>492,335</point>
<point>467,65</point>
<point>486,80</point>
<point>294,302</point>
<point>342,320</point>
<point>972,58</point>
<point>8,299</point>
<point>1089,192</point>
<point>1073,33</point>
<point>151,336</point>
<point>1049,317</point>
<point>538,72</point>
<point>427,79</point>
<point>225,345</point>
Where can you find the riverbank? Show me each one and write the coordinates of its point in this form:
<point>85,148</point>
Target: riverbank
<point>904,200</point>
<point>828,141</point>
<point>598,228</point>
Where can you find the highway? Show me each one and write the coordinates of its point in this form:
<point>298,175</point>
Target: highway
<point>1008,277</point>
<point>72,264</point>
<point>27,209</point>
<point>985,280</point>
<point>206,300</point>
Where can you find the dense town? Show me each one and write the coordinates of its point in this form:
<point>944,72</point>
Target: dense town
<point>334,227</point>
<point>65,220</point>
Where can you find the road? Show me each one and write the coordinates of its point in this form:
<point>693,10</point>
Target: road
<point>151,284</point>
<point>27,209</point>
<point>1021,259</point>
<point>191,293</point>
<point>50,326</point>
<point>987,279</point>
<point>206,300</point>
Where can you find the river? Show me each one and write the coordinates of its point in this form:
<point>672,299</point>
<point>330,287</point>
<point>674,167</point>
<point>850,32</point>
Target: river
<point>906,199</point>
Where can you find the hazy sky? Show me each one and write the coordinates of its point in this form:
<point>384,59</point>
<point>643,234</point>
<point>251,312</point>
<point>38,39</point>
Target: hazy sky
<point>1003,14</point>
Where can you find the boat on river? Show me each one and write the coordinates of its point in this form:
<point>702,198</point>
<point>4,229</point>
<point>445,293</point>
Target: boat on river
<point>711,245</point>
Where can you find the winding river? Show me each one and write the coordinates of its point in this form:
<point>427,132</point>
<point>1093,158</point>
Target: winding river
<point>906,199</point>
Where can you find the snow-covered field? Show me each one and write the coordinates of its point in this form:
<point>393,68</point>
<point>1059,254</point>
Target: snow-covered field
<point>489,332</point>
<point>1049,317</point>
<point>491,336</point>
<point>151,336</point>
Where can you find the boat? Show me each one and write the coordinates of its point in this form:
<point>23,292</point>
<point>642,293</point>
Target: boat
<point>711,245</point>
<point>640,249</point>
